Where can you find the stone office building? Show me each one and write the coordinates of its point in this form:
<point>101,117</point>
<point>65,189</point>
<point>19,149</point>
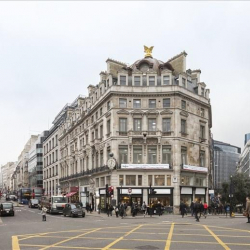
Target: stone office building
<point>155,118</point>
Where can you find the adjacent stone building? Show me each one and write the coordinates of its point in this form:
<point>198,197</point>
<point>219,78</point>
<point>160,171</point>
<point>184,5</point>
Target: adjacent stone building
<point>51,154</point>
<point>244,162</point>
<point>226,159</point>
<point>7,171</point>
<point>21,173</point>
<point>153,120</point>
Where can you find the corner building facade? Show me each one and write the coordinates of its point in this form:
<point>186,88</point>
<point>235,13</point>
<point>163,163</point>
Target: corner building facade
<point>155,118</point>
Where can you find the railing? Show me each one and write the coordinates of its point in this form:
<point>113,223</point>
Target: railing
<point>85,173</point>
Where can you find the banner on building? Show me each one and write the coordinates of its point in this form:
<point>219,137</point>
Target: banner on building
<point>145,166</point>
<point>195,168</point>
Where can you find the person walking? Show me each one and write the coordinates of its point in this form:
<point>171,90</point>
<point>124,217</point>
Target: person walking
<point>248,209</point>
<point>205,208</point>
<point>117,210</point>
<point>197,210</point>
<point>192,208</point>
<point>122,210</point>
<point>111,208</point>
<point>158,208</point>
<point>107,209</point>
<point>43,212</point>
<point>99,208</point>
<point>182,208</point>
<point>144,208</point>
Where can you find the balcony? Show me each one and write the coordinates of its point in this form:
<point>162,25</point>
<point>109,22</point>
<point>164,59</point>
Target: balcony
<point>123,133</point>
<point>167,133</point>
<point>85,173</point>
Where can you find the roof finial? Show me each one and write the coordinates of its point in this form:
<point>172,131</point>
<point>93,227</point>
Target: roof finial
<point>148,51</point>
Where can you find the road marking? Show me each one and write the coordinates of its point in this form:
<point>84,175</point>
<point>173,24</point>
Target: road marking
<point>217,238</point>
<point>72,238</point>
<point>170,234</point>
<point>15,244</point>
<point>121,238</point>
<point>68,247</point>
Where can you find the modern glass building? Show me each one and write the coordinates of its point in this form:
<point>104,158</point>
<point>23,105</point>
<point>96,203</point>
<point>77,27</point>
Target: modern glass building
<point>247,138</point>
<point>226,158</point>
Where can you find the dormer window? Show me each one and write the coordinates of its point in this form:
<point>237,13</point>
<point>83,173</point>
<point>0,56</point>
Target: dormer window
<point>151,81</point>
<point>123,80</point>
<point>184,82</point>
<point>166,80</point>
<point>137,81</point>
<point>202,91</point>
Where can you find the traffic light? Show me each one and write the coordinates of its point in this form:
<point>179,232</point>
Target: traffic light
<point>107,190</point>
<point>153,191</point>
<point>111,192</point>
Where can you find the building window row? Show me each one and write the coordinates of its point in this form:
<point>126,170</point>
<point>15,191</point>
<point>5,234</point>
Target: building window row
<point>52,143</point>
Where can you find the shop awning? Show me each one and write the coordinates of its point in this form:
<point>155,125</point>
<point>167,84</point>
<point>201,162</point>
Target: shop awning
<point>70,194</point>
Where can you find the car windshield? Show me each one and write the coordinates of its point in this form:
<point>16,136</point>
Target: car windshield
<point>6,205</point>
<point>73,206</point>
<point>59,200</point>
<point>78,206</point>
<point>34,200</point>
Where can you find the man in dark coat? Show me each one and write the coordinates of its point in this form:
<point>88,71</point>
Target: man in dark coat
<point>192,208</point>
<point>182,208</point>
<point>197,210</point>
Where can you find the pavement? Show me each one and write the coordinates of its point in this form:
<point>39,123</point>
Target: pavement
<point>27,231</point>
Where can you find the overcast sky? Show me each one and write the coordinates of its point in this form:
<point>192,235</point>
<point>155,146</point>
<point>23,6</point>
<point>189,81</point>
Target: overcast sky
<point>51,51</point>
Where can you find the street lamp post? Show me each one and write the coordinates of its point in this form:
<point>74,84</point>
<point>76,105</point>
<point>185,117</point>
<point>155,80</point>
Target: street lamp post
<point>231,189</point>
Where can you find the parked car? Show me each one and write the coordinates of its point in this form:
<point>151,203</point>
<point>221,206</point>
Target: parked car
<point>73,210</point>
<point>33,203</point>
<point>7,208</point>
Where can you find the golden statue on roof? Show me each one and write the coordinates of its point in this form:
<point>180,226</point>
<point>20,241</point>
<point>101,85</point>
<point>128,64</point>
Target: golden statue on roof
<point>148,51</point>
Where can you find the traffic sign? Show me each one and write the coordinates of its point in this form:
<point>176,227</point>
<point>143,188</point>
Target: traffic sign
<point>130,190</point>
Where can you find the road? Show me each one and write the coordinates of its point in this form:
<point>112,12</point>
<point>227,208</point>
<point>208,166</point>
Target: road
<point>26,230</point>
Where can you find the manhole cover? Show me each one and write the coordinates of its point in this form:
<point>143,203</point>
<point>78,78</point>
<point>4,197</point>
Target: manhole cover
<point>147,247</point>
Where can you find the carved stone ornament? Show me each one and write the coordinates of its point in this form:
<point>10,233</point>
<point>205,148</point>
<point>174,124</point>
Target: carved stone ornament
<point>152,141</point>
<point>123,111</point>
<point>166,112</point>
<point>203,121</point>
<point>123,143</point>
<point>137,112</point>
<point>152,112</point>
<point>137,141</point>
<point>184,113</point>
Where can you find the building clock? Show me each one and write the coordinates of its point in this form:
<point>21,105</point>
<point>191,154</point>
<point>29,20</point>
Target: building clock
<point>111,163</point>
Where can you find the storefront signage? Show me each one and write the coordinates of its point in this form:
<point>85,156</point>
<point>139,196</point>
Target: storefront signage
<point>163,191</point>
<point>134,191</point>
<point>130,190</point>
<point>195,168</point>
<point>186,190</point>
<point>200,191</point>
<point>145,166</point>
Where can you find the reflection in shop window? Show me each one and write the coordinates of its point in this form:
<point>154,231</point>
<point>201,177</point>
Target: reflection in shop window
<point>130,180</point>
<point>165,201</point>
<point>121,183</point>
<point>168,180</point>
<point>185,180</point>
<point>150,180</point>
<point>139,180</point>
<point>159,180</point>
<point>102,184</point>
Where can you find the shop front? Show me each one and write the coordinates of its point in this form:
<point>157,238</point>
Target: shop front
<point>130,195</point>
<point>73,195</point>
<point>186,195</point>
<point>200,194</point>
<point>162,195</point>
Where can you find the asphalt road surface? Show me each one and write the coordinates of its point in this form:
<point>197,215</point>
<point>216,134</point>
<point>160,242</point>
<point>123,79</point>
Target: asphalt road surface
<point>26,230</point>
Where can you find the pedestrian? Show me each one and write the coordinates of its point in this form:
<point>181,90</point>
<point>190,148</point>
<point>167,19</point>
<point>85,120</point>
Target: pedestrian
<point>111,208</point>
<point>182,208</point>
<point>158,208</point>
<point>107,209</point>
<point>248,209</point>
<point>151,209</point>
<point>197,210</point>
<point>122,210</point>
<point>43,212</point>
<point>117,211</point>
<point>87,207</point>
<point>192,208</point>
<point>205,208</point>
<point>144,208</point>
<point>99,208</point>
